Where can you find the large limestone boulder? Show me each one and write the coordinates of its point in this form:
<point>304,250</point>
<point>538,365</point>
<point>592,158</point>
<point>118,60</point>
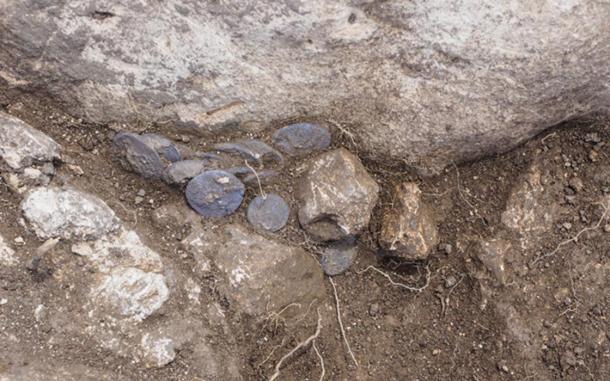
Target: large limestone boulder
<point>426,81</point>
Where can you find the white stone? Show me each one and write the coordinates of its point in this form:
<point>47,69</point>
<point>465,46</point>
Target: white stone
<point>68,213</point>
<point>7,255</point>
<point>21,145</point>
<point>131,292</point>
<point>157,351</point>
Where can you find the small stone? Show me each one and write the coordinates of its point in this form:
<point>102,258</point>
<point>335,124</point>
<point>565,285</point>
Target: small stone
<point>68,213</point>
<point>163,146</point>
<point>593,156</point>
<point>181,171</point>
<point>448,249</point>
<point>450,281</point>
<point>157,351</point>
<point>338,257</point>
<point>374,309</point>
<point>567,225</point>
<point>501,365</point>
<point>253,150</point>
<point>302,139</point>
<point>492,254</point>
<point>131,292</point>
<point>336,196</point>
<point>141,193</point>
<point>137,156</point>
<point>576,184</point>
<point>210,197</point>
<point>19,241</point>
<point>408,229</point>
<point>567,360</point>
<point>7,255</point>
<point>139,200</point>
<point>436,352</point>
<point>268,212</point>
<point>77,170</point>
<point>22,145</point>
<point>592,137</point>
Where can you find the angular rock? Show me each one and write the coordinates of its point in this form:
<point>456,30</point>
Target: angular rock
<point>338,257</point>
<point>336,196</point>
<point>492,254</point>
<point>68,213</point>
<point>215,193</point>
<point>531,208</point>
<point>130,283</point>
<point>123,249</point>
<point>181,171</point>
<point>302,139</point>
<point>7,255</point>
<point>269,213</point>
<point>136,156</point>
<point>252,150</point>
<point>21,145</point>
<point>407,228</point>
<point>131,292</point>
<point>163,146</point>
<point>262,275</point>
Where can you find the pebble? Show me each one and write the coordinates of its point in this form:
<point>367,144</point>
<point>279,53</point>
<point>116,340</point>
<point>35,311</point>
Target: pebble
<point>215,193</point>
<point>302,138</point>
<point>576,184</point>
<point>450,281</point>
<point>338,257</point>
<point>137,156</point>
<point>373,309</point>
<point>141,193</point>
<point>253,150</point>
<point>268,213</point>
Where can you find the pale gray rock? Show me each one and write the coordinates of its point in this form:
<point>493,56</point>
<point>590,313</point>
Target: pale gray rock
<point>493,254</point>
<point>22,145</point>
<point>408,229</point>
<point>157,351</point>
<point>131,292</point>
<point>68,213</point>
<point>531,208</point>
<point>336,196</point>
<point>430,82</point>
<point>262,275</point>
<point>7,254</point>
<point>130,282</point>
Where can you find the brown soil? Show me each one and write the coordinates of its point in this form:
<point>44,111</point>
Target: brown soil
<point>438,334</point>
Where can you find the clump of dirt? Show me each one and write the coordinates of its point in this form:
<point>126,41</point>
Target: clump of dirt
<point>440,333</point>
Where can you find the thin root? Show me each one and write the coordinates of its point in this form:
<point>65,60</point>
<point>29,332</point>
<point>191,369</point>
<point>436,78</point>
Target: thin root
<point>398,284</point>
<point>302,344</point>
<point>349,349</point>
<point>323,372</point>
<point>258,179</point>
<point>574,238</point>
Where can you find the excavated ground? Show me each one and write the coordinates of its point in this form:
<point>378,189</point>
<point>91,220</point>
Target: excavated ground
<point>562,302</point>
